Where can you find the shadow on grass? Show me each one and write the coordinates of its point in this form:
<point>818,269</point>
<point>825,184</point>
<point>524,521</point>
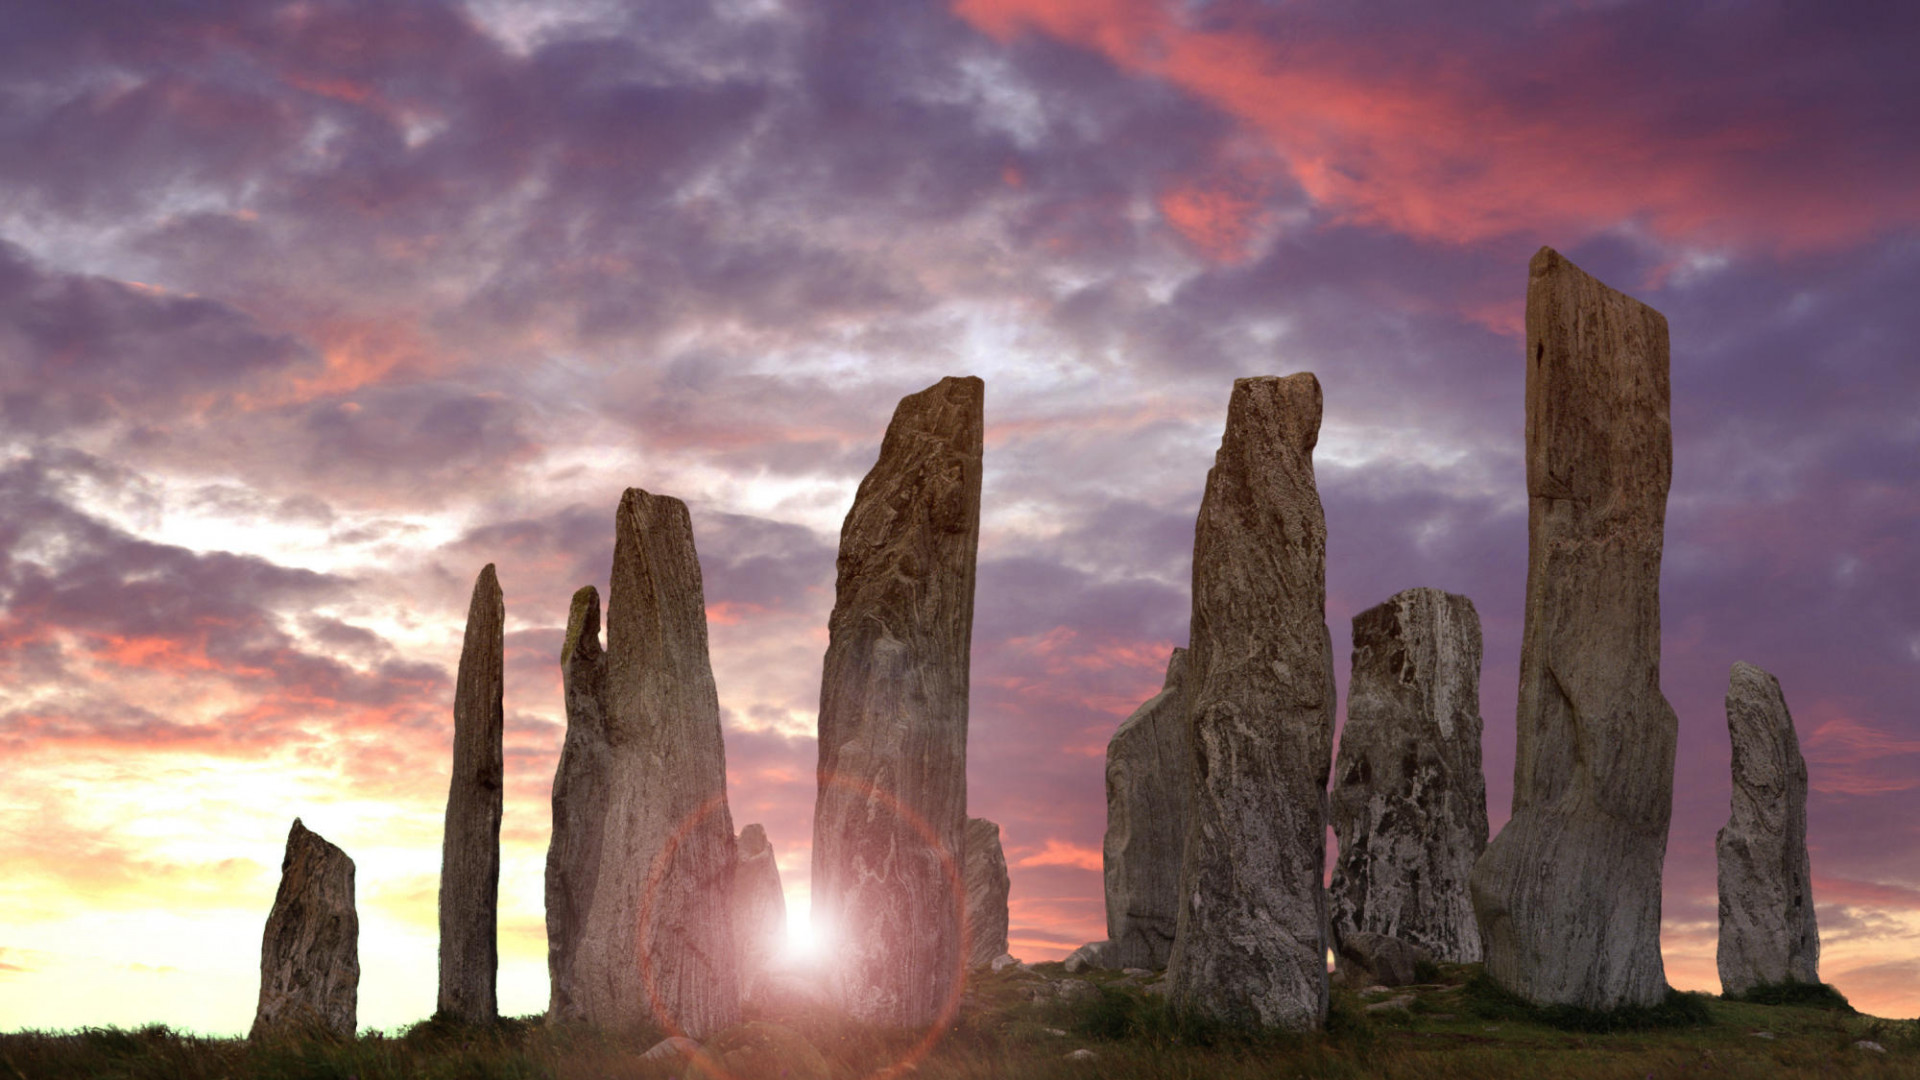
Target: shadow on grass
<point>1793,992</point>
<point>1488,1000</point>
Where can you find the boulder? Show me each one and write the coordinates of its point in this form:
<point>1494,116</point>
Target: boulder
<point>987,888</point>
<point>470,847</point>
<point>1148,788</point>
<point>1767,928</point>
<point>759,908</point>
<point>1409,797</point>
<point>1093,955</point>
<point>640,869</point>
<point>891,813</point>
<point>310,954</point>
<point>1568,895</point>
<point>1251,944</point>
<point>1363,959</point>
<point>759,1049</point>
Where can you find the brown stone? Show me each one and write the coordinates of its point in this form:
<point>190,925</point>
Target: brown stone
<point>987,889</point>
<point>640,871</point>
<point>759,908</point>
<point>310,954</point>
<point>1149,784</point>
<point>1251,944</point>
<point>470,848</point>
<point>888,824</point>
<point>1568,895</point>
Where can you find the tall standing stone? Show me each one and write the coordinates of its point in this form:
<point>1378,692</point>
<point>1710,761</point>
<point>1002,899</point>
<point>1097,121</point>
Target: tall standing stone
<point>892,805</point>
<point>1409,796</point>
<point>759,907</point>
<point>1568,895</point>
<point>988,887</point>
<point>1149,784</point>
<point>1251,945</point>
<point>1767,929</point>
<point>640,871</point>
<point>470,848</point>
<point>310,954</point>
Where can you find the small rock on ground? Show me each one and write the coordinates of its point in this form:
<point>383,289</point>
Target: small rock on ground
<point>677,1047</point>
<point>1869,1044</point>
<point>1082,1055</point>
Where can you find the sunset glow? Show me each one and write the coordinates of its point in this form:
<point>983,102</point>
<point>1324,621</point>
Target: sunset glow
<point>310,309</point>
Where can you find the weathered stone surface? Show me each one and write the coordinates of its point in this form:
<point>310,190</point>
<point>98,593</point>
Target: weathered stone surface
<point>892,806</point>
<point>470,847</point>
<point>640,871</point>
<point>1568,895</point>
<point>1767,928</point>
<point>1149,783</point>
<point>1251,945</point>
<point>1366,959</point>
<point>310,954</point>
<point>988,886</point>
<point>759,908</point>
<point>1409,797</point>
<point>1094,954</point>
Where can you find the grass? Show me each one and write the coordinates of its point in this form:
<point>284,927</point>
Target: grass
<point>1455,1026</point>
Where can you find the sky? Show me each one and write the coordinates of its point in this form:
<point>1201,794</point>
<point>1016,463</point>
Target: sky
<point>309,310</point>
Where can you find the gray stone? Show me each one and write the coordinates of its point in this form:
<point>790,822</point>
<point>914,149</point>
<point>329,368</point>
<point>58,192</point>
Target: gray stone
<point>759,908</point>
<point>1568,895</point>
<point>310,953</point>
<point>1082,1054</point>
<point>470,848</point>
<point>987,889</point>
<point>1409,797</point>
<point>1004,961</point>
<point>1767,928</point>
<point>640,871</point>
<point>1252,940</point>
<point>1149,783</point>
<point>1367,960</point>
<point>889,820</point>
<point>677,1048</point>
<point>1092,955</point>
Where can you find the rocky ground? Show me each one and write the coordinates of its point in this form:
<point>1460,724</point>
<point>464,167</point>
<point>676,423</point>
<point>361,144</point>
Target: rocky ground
<point>1042,1022</point>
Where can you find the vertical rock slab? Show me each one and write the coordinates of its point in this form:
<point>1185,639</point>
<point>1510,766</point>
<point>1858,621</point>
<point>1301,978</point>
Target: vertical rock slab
<point>987,889</point>
<point>1149,783</point>
<point>1568,895</point>
<point>470,847</point>
<point>1409,796</point>
<point>580,797</point>
<point>1767,929</point>
<point>759,907</point>
<point>1251,945</point>
<point>650,847</point>
<point>892,805</point>
<point>310,954</point>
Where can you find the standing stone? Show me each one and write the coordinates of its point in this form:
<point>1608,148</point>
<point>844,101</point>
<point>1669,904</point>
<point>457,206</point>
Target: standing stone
<point>640,871</point>
<point>310,955</point>
<point>1568,895</point>
<point>1251,946</point>
<point>892,805</point>
<point>1149,783</point>
<point>987,888</point>
<point>759,908</point>
<point>580,798</point>
<point>470,850</point>
<point>1409,797</point>
<point>1767,930</point>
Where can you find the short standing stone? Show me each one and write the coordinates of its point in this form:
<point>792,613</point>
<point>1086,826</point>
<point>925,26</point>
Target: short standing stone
<point>1366,959</point>
<point>1409,797</point>
<point>1149,783</point>
<point>310,954</point>
<point>470,848</point>
<point>891,813</point>
<point>642,859</point>
<point>1568,895</point>
<point>1091,956</point>
<point>1767,928</point>
<point>987,888</point>
<point>759,907</point>
<point>1252,944</point>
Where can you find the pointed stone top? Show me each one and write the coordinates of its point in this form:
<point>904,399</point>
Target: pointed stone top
<point>950,409</point>
<point>753,840</point>
<point>1265,407</point>
<point>583,626</point>
<point>1176,664</point>
<point>1744,672</point>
